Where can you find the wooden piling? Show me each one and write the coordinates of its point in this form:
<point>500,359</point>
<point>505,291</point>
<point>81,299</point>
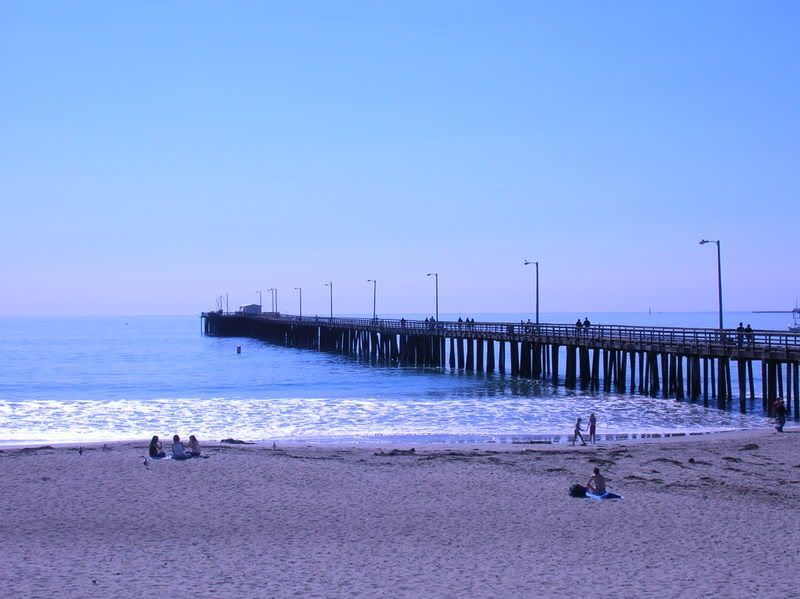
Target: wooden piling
<point>742,367</point>
<point>514,357</point>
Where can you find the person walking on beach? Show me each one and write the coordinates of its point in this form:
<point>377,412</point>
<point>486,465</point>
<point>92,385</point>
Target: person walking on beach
<point>597,484</point>
<point>592,428</point>
<point>779,409</point>
<point>577,433</point>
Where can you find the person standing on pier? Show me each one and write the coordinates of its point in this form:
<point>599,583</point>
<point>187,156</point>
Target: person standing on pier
<point>740,336</point>
<point>578,327</point>
<point>577,432</point>
<point>592,428</point>
<point>586,325</point>
<point>748,333</point>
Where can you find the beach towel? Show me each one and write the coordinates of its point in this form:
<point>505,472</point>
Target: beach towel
<point>602,496</point>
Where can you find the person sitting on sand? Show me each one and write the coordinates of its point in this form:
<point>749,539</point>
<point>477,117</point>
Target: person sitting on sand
<point>155,448</point>
<point>592,427</point>
<point>577,432</point>
<point>597,484</point>
<point>194,446</point>
<point>178,450</point>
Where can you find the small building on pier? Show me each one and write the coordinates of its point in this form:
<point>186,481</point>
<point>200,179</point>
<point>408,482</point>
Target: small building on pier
<point>250,309</point>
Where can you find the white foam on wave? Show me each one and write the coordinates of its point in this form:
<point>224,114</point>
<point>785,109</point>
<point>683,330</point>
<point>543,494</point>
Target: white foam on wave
<point>353,418</point>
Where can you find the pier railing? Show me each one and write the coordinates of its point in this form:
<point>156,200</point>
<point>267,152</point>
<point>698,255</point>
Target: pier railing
<point>726,338</point>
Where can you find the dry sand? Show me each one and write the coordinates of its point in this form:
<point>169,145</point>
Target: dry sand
<point>716,516</point>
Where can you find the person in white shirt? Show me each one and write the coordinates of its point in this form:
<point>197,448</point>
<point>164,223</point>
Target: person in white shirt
<point>178,450</point>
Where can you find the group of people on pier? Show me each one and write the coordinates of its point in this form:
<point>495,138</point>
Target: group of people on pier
<point>743,333</point>
<point>582,326</point>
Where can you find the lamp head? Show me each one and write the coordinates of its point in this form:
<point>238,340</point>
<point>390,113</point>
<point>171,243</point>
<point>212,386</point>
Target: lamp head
<point>431,274</point>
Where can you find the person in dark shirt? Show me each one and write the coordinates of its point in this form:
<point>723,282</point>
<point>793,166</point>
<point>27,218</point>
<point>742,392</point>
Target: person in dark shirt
<point>155,448</point>
<point>779,409</point>
<point>740,335</point>
<point>748,333</point>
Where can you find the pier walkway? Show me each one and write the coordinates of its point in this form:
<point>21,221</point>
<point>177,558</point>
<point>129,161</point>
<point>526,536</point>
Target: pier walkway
<point>666,361</point>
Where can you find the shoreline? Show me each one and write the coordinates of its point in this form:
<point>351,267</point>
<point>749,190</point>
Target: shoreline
<point>603,440</point>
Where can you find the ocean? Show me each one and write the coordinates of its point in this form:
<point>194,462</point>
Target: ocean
<point>96,379</point>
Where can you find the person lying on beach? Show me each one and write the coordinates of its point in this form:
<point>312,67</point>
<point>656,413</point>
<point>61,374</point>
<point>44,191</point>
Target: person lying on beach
<point>597,484</point>
<point>194,447</point>
<point>155,448</point>
<point>178,450</point>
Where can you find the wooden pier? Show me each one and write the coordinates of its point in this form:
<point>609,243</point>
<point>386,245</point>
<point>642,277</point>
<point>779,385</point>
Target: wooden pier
<point>680,363</point>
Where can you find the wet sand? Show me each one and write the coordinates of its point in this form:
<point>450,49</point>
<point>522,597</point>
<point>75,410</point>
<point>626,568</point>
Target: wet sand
<point>708,516</point>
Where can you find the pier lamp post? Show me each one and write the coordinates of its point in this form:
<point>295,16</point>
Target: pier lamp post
<point>300,289</point>
<point>719,274</point>
<point>330,284</point>
<point>436,274</point>
<point>537,286</point>
<point>259,300</point>
<point>374,296</point>
<point>272,295</point>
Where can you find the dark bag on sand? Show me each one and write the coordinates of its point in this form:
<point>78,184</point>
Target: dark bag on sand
<point>577,490</point>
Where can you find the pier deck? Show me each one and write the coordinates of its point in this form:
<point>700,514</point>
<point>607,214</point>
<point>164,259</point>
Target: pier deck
<point>667,361</point>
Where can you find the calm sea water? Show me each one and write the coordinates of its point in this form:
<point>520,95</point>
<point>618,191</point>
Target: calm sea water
<point>81,379</point>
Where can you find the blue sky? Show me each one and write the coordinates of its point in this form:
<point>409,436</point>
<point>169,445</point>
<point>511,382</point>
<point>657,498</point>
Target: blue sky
<point>156,155</point>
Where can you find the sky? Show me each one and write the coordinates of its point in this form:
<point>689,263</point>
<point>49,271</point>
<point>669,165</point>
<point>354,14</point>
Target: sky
<point>157,155</point>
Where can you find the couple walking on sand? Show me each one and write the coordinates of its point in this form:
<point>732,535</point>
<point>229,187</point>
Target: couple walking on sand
<point>577,434</point>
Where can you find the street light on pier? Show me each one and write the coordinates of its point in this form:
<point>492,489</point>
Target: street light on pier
<point>259,300</point>
<point>374,296</point>
<point>436,274</point>
<point>537,286</point>
<point>300,289</point>
<point>272,291</point>
<point>330,284</point>
<point>719,274</point>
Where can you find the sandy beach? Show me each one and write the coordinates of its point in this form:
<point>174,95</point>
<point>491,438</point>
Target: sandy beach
<point>709,516</point>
